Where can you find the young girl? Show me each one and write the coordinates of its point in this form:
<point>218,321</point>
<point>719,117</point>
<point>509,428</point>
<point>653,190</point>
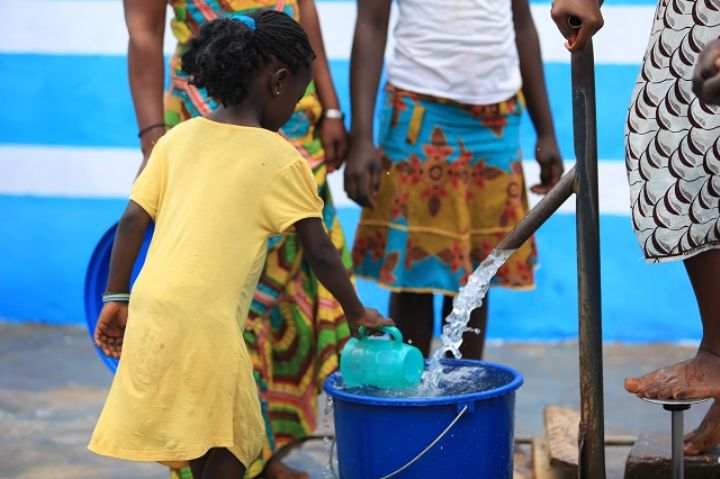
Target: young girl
<point>447,183</point>
<point>216,188</point>
<point>295,329</point>
<point>673,164</point>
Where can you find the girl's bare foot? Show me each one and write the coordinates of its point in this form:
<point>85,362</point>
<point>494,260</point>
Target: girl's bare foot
<point>697,378</point>
<point>275,469</point>
<point>707,434</point>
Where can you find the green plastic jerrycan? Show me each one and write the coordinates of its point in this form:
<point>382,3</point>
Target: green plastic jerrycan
<point>381,362</point>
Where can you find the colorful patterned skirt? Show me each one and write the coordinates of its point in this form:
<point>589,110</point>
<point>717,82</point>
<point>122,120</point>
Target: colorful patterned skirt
<point>452,187</point>
<point>296,328</point>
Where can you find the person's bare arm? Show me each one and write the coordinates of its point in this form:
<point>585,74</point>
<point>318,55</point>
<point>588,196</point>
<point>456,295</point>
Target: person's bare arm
<point>332,130</point>
<point>145,20</point>
<point>362,171</point>
<point>110,328</point>
<point>547,152</point>
<point>323,258</point>
<point>706,79</point>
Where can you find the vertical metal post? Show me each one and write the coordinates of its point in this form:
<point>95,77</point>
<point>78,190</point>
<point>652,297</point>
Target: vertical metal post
<point>677,408</point>
<point>677,445</point>
<point>591,437</point>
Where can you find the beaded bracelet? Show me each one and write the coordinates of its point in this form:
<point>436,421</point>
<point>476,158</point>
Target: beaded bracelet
<point>116,297</point>
<point>333,114</point>
<point>148,128</point>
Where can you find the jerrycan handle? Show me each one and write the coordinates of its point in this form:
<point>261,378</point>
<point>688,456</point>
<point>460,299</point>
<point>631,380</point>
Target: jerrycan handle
<point>391,330</point>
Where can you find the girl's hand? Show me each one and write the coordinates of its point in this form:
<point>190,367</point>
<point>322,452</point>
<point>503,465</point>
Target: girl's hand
<point>371,318</point>
<point>587,11</point>
<point>110,328</point>
<point>362,173</point>
<point>335,142</point>
<point>547,154</point>
<point>706,79</point>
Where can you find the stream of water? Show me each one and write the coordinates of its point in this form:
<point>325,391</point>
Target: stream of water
<point>470,297</point>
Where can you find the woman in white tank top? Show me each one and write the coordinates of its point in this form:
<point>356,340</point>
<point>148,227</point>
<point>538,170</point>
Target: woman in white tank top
<point>446,183</point>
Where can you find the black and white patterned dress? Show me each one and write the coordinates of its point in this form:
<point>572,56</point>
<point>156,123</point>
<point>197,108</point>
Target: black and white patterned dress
<point>673,139</point>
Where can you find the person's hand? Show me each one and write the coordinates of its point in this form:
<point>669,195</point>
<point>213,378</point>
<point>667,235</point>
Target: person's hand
<point>586,11</point>
<point>371,318</point>
<point>706,79</point>
<point>110,328</point>
<point>335,142</point>
<point>147,143</point>
<point>362,173</point>
<point>547,154</point>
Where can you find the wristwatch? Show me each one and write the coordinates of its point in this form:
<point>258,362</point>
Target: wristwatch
<point>333,114</point>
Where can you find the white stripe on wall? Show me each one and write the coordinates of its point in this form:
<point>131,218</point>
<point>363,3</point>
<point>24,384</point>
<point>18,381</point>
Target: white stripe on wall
<point>109,172</point>
<point>97,28</point>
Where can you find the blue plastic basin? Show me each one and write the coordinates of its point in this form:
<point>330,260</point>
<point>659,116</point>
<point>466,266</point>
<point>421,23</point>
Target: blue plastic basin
<point>96,281</point>
<point>375,436</point>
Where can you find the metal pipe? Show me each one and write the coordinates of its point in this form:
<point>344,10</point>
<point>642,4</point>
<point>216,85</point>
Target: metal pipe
<point>539,213</point>
<point>677,444</point>
<point>591,436</point>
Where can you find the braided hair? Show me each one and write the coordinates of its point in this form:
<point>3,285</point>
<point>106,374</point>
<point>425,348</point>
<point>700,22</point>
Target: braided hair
<point>227,53</point>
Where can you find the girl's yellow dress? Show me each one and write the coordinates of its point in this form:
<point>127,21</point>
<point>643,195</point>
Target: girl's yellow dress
<point>185,383</point>
<point>295,328</point>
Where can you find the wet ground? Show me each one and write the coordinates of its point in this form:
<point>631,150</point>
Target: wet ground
<point>52,386</point>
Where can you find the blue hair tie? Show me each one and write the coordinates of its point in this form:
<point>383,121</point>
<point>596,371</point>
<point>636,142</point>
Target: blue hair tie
<point>248,21</point>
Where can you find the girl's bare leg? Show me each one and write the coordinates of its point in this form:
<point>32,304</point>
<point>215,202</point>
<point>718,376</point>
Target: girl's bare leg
<point>217,463</point>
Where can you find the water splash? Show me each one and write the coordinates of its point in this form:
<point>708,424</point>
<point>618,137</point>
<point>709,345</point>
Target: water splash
<point>328,472</point>
<point>470,297</point>
<point>456,381</point>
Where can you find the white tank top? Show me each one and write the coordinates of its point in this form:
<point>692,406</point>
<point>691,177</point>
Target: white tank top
<point>462,50</point>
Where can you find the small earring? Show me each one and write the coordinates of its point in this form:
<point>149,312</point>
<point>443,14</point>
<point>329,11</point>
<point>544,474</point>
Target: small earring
<point>276,92</point>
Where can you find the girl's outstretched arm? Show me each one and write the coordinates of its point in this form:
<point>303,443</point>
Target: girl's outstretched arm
<point>547,152</point>
<point>145,20</point>
<point>332,130</point>
<point>128,241</point>
<point>325,261</point>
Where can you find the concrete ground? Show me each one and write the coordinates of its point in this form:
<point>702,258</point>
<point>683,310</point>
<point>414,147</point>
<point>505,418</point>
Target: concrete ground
<point>52,386</point>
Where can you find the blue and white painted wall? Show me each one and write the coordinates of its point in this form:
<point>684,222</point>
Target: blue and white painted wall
<point>68,153</point>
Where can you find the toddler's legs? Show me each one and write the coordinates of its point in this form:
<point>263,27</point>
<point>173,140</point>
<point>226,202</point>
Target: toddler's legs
<point>217,463</point>
<point>413,315</point>
<point>473,344</point>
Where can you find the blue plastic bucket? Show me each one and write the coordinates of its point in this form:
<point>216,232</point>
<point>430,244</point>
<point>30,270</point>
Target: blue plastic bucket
<point>96,281</point>
<point>377,436</point>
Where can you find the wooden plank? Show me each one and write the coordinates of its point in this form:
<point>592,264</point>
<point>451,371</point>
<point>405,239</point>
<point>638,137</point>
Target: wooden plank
<point>542,468</point>
<point>626,440</point>
<point>561,433</point>
<point>522,463</point>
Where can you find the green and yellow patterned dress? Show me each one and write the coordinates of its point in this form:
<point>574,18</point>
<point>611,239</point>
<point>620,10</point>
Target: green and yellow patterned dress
<point>296,328</point>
